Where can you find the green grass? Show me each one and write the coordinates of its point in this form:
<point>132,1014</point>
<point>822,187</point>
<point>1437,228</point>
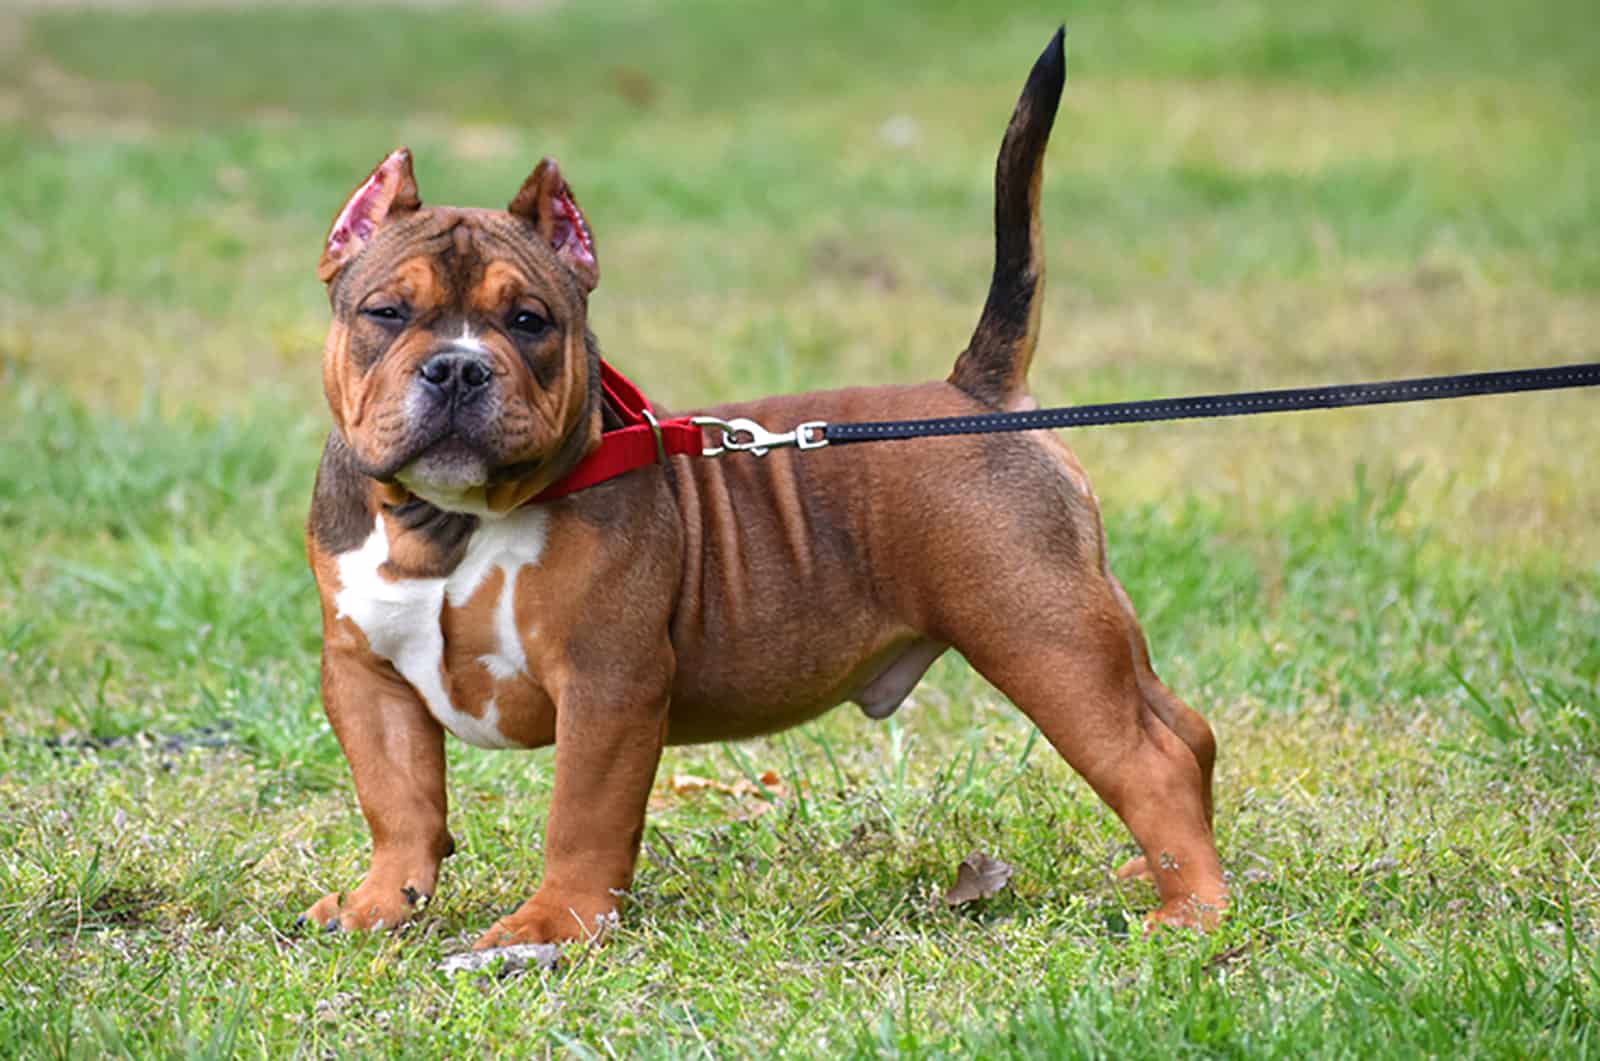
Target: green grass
<point>1390,616</point>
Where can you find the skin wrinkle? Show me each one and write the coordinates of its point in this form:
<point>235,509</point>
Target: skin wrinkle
<point>792,515</point>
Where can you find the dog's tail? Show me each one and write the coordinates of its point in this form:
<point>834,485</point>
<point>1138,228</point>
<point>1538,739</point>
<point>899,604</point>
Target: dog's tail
<point>994,366</point>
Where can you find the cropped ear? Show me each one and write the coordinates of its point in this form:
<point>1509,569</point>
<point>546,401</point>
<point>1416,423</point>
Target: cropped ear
<point>546,200</point>
<point>391,189</point>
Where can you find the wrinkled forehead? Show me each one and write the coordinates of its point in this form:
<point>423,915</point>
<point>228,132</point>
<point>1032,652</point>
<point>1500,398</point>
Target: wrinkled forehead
<point>459,251</point>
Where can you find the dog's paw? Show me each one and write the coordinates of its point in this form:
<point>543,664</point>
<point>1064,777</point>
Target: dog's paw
<point>367,909</point>
<point>1188,913</point>
<point>548,921</point>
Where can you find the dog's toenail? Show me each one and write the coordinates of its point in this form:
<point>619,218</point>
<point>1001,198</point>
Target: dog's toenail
<point>412,895</point>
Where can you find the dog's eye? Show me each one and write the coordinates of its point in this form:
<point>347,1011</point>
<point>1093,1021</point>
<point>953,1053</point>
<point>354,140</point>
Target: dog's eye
<point>527,322</point>
<point>384,314</point>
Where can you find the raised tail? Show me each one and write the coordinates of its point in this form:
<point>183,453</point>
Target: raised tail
<point>994,366</point>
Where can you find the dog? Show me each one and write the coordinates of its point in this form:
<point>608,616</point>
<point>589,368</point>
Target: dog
<point>692,599</point>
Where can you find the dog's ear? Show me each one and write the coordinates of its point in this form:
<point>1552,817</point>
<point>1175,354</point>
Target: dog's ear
<point>546,200</point>
<point>390,190</point>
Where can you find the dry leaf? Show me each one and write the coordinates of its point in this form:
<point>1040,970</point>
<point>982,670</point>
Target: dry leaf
<point>683,784</point>
<point>978,877</point>
<point>769,784</point>
<point>751,800</point>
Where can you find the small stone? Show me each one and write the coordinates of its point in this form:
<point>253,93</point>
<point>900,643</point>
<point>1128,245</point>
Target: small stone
<point>511,960</point>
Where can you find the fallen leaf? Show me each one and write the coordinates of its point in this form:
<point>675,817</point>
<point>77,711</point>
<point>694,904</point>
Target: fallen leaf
<point>978,877</point>
<point>770,787</point>
<point>751,799</point>
<point>683,784</point>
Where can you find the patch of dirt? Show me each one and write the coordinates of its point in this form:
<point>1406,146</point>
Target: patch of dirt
<point>206,737</point>
<point>124,907</point>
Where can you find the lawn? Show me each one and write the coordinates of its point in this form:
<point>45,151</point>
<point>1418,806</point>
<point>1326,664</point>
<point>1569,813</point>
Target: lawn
<point>1391,616</point>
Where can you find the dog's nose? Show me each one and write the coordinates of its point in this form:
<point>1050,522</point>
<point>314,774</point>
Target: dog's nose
<point>452,373</point>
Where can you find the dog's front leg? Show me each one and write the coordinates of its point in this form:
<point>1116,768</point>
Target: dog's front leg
<point>396,754</point>
<point>606,756</point>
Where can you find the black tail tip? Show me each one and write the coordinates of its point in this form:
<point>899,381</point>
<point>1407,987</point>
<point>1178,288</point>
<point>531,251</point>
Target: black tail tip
<point>1049,71</point>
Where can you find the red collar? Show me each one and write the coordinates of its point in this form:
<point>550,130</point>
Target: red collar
<point>640,441</point>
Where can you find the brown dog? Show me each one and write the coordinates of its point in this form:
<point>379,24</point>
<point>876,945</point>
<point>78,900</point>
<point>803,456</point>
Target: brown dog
<point>464,381</point>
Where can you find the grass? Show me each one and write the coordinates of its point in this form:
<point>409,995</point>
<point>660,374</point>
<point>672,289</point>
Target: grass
<point>1390,616</point>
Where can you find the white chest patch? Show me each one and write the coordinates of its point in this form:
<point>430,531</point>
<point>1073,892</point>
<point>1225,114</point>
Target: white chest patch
<point>403,620</point>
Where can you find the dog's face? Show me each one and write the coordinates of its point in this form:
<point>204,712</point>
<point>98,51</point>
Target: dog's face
<point>459,365</point>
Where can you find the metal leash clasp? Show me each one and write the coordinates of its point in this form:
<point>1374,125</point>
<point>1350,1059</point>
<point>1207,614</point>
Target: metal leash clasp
<point>743,435</point>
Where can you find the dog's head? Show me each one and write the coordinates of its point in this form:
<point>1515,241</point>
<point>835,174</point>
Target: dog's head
<point>459,365</point>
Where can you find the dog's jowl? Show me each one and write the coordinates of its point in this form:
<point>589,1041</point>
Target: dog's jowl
<point>464,383</point>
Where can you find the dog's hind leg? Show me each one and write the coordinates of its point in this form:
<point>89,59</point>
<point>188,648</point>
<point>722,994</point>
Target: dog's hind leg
<point>1076,669</point>
<point>1179,717</point>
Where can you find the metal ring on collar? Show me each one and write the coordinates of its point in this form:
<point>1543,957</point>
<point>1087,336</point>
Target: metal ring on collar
<point>655,431</point>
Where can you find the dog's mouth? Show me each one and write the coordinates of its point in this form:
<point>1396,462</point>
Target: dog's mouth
<point>455,475</point>
<point>461,460</point>
<point>450,464</point>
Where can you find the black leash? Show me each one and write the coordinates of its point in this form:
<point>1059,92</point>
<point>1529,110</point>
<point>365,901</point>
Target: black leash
<point>1427,388</point>
<point>742,435</point>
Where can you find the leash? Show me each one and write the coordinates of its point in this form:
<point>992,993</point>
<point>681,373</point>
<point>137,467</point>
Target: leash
<point>643,439</point>
<point>747,436</point>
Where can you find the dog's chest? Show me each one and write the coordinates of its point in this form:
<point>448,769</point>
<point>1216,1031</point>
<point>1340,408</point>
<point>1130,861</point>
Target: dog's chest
<point>458,640</point>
